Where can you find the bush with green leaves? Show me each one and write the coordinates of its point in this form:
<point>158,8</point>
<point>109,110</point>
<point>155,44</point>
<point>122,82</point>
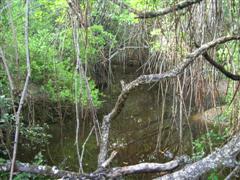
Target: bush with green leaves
<point>36,134</point>
<point>5,108</point>
<point>202,144</point>
<point>7,121</point>
<point>52,52</point>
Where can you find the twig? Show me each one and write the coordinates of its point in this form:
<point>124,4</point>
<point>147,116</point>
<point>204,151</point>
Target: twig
<point>108,161</point>
<point>83,146</point>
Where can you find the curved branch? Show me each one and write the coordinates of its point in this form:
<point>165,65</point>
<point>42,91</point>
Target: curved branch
<point>179,6</point>
<point>146,79</point>
<point>151,14</point>
<point>147,167</point>
<point>219,67</point>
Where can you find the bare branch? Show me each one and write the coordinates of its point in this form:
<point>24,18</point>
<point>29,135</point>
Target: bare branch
<point>108,161</point>
<point>103,173</point>
<point>220,67</point>
<point>83,146</point>
<point>151,14</point>
<point>148,167</point>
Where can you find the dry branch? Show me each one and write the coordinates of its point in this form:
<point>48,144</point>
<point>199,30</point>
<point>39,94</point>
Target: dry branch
<point>223,157</point>
<point>146,79</point>
<point>100,174</point>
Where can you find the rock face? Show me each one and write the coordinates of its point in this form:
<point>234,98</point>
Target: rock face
<point>211,115</point>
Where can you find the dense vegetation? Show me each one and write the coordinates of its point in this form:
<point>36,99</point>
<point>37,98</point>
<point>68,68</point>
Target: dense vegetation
<point>72,48</point>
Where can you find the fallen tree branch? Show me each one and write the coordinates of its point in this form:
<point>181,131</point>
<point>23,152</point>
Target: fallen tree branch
<point>224,157</point>
<point>146,79</point>
<point>151,14</point>
<point>147,167</point>
<point>37,169</point>
<point>102,173</point>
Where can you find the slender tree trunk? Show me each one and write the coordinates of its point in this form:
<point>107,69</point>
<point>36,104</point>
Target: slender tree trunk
<point>24,91</point>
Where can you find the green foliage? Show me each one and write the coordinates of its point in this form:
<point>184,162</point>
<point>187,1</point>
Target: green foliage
<point>7,121</point>
<point>6,118</point>
<point>213,176</point>
<point>123,17</point>
<point>36,134</point>
<point>149,4</point>
<point>51,48</point>
<point>2,161</point>
<point>231,113</point>
<point>4,88</point>
<point>198,148</point>
<point>82,94</point>
<point>21,176</point>
<point>4,175</point>
<point>202,144</point>
<point>94,40</point>
<point>229,55</point>
<point>39,159</point>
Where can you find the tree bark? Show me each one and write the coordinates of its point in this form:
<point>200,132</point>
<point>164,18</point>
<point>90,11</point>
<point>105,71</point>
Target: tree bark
<point>99,174</point>
<point>224,157</point>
